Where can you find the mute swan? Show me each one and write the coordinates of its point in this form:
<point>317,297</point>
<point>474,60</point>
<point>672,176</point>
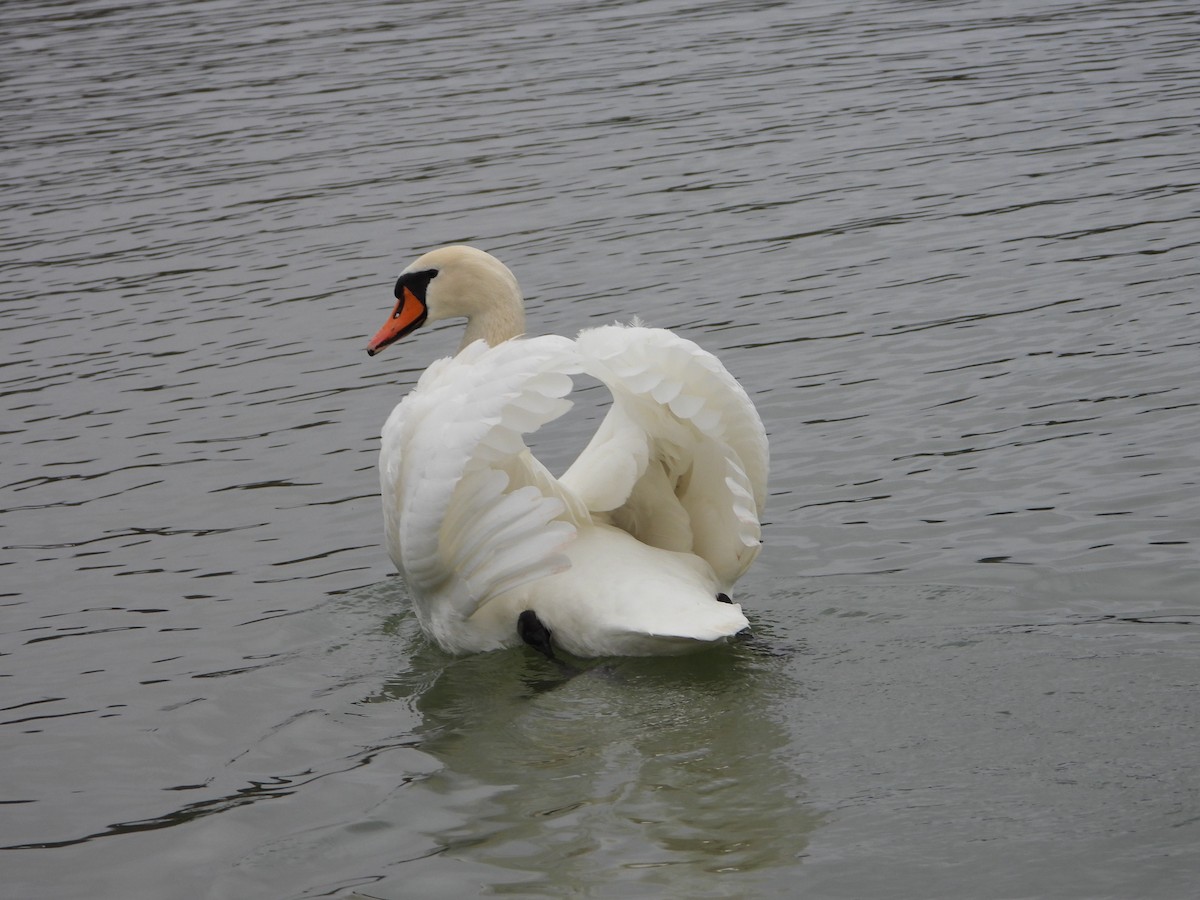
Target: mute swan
<point>632,551</point>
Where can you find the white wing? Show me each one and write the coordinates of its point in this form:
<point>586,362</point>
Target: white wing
<point>469,512</point>
<point>680,461</point>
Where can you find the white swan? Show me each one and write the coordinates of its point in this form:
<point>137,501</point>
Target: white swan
<point>634,549</point>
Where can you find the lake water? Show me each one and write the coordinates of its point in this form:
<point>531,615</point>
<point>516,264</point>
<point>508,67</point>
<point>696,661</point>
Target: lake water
<point>952,249</point>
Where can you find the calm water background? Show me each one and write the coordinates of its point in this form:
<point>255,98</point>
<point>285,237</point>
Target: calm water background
<point>951,248</point>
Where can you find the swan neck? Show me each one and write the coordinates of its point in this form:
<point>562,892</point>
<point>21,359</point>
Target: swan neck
<point>499,320</point>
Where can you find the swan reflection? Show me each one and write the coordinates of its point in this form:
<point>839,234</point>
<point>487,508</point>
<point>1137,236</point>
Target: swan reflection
<point>647,771</point>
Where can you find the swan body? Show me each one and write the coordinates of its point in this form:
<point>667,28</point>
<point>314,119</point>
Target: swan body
<point>635,548</point>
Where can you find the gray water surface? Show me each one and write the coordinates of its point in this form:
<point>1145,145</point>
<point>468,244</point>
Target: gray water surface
<point>951,249</point>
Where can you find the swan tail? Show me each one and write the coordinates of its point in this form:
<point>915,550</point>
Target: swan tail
<point>698,628</point>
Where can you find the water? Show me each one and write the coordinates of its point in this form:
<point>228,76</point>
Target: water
<point>951,249</point>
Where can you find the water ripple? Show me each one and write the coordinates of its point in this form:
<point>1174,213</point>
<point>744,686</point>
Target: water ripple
<point>947,247</point>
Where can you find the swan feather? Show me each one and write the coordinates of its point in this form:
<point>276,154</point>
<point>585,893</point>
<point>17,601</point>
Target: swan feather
<point>467,509</point>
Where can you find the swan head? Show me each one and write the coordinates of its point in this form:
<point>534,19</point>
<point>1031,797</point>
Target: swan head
<point>455,282</point>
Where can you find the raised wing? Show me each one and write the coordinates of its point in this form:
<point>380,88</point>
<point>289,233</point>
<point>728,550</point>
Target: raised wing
<point>680,461</point>
<point>469,512</point>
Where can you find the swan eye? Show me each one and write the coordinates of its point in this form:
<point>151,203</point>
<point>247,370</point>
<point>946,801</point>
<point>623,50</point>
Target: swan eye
<point>417,283</point>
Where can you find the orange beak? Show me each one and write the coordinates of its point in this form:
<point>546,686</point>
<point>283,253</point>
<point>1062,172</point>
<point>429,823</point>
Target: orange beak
<point>408,316</point>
